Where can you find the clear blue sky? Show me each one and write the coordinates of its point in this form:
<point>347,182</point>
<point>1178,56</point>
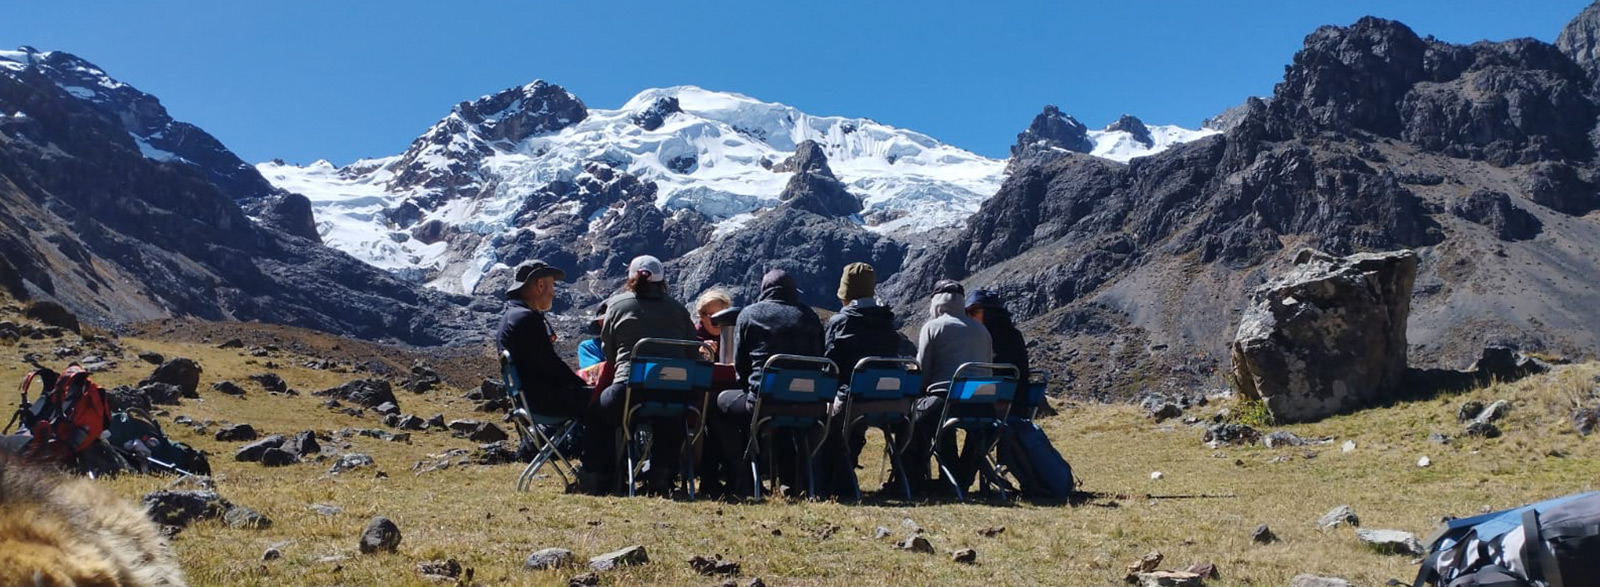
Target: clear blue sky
<point>342,79</point>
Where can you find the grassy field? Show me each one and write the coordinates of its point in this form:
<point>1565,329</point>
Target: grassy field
<point>472,515</point>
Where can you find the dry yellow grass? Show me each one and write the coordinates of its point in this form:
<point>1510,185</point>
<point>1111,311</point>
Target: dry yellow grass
<point>471,514</point>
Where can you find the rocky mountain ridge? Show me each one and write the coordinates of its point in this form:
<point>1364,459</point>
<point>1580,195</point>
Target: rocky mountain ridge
<point>119,213</point>
<point>1479,157</point>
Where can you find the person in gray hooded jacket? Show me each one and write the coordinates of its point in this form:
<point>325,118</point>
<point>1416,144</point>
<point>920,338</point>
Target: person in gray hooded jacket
<point>948,339</point>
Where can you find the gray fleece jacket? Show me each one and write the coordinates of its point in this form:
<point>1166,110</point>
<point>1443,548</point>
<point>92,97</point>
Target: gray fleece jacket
<point>949,339</point>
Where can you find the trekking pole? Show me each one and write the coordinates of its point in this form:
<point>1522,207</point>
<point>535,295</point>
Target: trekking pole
<point>169,466</point>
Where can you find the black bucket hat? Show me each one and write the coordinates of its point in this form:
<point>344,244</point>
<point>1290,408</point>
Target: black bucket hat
<point>530,271</point>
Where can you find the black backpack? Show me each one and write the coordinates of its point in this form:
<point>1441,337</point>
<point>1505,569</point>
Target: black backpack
<point>1553,543</point>
<point>135,425</point>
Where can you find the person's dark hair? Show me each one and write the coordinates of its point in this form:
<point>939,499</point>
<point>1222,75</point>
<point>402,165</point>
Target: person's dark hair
<point>639,283</point>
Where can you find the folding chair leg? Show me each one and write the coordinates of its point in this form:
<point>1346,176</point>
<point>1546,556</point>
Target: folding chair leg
<point>688,464</point>
<point>811,471</point>
<point>627,439</point>
<point>899,465</point>
<point>944,469</point>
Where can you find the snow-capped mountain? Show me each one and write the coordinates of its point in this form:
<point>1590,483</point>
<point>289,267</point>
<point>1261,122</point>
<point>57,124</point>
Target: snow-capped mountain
<point>436,212</point>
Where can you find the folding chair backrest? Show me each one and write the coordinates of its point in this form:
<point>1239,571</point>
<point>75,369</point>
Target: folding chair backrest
<point>999,384</point>
<point>1038,381</point>
<point>665,372</point>
<point>509,377</point>
<point>799,380</point>
<point>880,378</point>
<point>669,374</point>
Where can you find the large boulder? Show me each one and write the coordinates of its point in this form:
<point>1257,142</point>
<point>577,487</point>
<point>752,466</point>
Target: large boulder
<point>184,373</point>
<point>1327,337</point>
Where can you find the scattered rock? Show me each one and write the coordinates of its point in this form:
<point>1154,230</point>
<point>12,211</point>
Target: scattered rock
<point>1304,580</point>
<point>1205,570</point>
<point>239,516</point>
<point>1481,429</point>
<point>1469,410</point>
<point>1390,542</point>
<point>487,432</point>
<point>237,433</point>
<point>1282,438</point>
<point>1229,434</point>
<point>632,555</point>
<point>387,408</point>
<point>436,421</point>
<point>546,559</point>
<point>151,357</point>
<point>325,510</point>
<point>227,388</point>
<point>1585,420</point>
<point>1424,462</point>
<point>1263,535</point>
<point>495,453</point>
<point>253,452</point>
<point>1349,446</point>
<point>271,382</point>
<point>965,556</point>
<point>278,457</point>
<point>584,580</point>
<point>232,343</point>
<point>368,393</point>
<point>271,554</point>
<point>303,444</point>
<point>1149,562</point>
<point>1338,516</point>
<point>180,508</point>
<point>351,462</point>
<point>991,531</point>
<point>1156,476</point>
<point>409,422</point>
<point>1438,438</point>
<point>53,314</point>
<point>1163,411</point>
<point>916,543</point>
<point>1494,412</point>
<point>381,535</point>
<point>462,427</point>
<point>880,533</point>
<point>444,570</point>
<point>1167,579</point>
<point>713,566</point>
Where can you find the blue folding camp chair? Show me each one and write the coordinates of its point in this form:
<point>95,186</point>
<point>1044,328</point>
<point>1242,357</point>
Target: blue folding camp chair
<point>978,401</point>
<point>545,433</point>
<point>882,390</point>
<point>664,389</point>
<point>793,394</point>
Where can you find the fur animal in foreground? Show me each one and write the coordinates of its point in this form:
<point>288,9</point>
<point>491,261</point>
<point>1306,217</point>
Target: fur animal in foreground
<point>62,531</point>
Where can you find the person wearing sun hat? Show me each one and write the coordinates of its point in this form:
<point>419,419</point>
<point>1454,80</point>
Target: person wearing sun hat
<point>553,388</point>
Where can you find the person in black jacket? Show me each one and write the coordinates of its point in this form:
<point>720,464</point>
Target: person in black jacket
<point>552,388</point>
<point>776,324</point>
<point>1010,347</point>
<point>861,329</point>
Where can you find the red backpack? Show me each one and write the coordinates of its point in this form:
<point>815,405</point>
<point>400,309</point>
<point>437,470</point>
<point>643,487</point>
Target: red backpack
<point>68,417</point>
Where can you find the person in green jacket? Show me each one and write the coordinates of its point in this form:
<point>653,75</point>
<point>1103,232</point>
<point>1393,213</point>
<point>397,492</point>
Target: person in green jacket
<point>643,310</point>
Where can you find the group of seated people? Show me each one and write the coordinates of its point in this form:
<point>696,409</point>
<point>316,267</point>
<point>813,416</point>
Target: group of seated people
<point>962,327</point>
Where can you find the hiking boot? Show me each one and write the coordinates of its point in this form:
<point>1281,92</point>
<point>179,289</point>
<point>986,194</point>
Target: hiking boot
<point>591,482</point>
